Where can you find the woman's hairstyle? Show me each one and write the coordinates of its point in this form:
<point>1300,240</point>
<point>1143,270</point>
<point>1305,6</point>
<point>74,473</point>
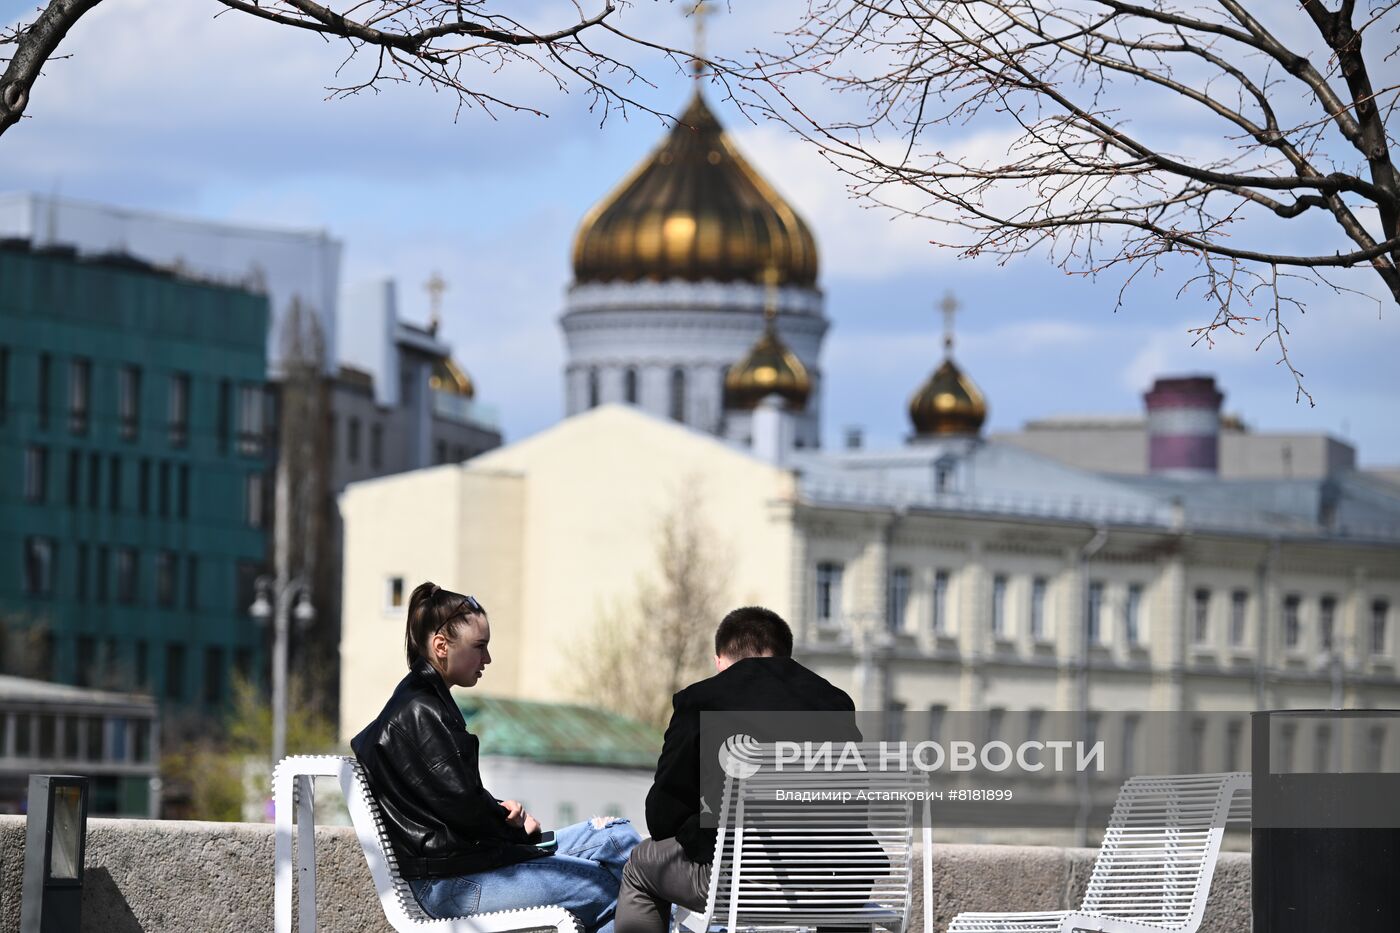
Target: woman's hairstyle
<point>431,609</point>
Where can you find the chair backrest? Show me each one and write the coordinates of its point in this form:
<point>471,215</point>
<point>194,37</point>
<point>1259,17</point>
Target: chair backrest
<point>1160,849</point>
<point>801,848</point>
<point>401,908</point>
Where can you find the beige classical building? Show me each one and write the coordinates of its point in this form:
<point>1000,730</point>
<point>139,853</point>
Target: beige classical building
<point>952,573</point>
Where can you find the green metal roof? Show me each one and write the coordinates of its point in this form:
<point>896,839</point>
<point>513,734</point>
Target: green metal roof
<point>559,733</point>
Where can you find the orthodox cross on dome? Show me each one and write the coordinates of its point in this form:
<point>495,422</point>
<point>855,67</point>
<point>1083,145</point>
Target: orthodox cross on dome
<point>435,286</point>
<point>772,277</point>
<point>949,307</point>
<point>698,14</point>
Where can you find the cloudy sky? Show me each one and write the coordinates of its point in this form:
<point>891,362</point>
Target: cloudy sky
<point>163,106</point>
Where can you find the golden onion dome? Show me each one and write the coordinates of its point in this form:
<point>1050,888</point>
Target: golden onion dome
<point>770,368</point>
<point>450,378</point>
<point>948,403</point>
<point>694,210</point>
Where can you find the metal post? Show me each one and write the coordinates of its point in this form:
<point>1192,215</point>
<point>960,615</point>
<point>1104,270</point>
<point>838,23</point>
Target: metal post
<point>282,592</point>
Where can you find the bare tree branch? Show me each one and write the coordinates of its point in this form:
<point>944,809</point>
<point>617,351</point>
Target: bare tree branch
<point>1077,94</point>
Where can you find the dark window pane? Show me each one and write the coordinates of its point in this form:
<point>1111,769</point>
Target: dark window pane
<point>174,671</point>
<point>213,675</point>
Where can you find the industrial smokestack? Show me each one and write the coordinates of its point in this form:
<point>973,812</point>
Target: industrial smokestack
<point>1183,426</point>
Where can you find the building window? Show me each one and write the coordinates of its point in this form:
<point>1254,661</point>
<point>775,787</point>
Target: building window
<point>1239,603</point>
<point>440,452</point>
<point>894,721</point>
<point>1038,630</point>
<point>1094,613</point>
<point>593,388</point>
<point>182,492</point>
<point>245,586</point>
<point>999,606</point>
<point>86,667</point>
<point>104,559</point>
<point>80,573</point>
<point>178,409</point>
<point>250,419</point>
<point>1292,628</point>
<point>174,671</point>
<point>677,394</point>
<point>629,386</point>
<point>79,394</point>
<point>1234,744</point>
<point>940,603</point>
<point>39,559</point>
<point>944,473</point>
<point>143,487</point>
<point>899,598</point>
<point>163,489</point>
<point>128,575</point>
<point>1327,622</point>
<point>376,446</point>
<point>36,473</point>
<point>936,714</point>
<point>41,397</point>
<point>129,401</point>
<point>352,440</point>
<point>1322,750</point>
<point>1200,616</point>
<point>94,481</point>
<point>191,582</point>
<point>254,496</point>
<point>1132,616</point>
<point>1131,722</point>
<point>165,579</point>
<point>393,593</point>
<point>1380,613</point>
<point>459,453</point>
<point>114,484</point>
<point>75,478</point>
<point>828,593</point>
<point>143,664</point>
<point>223,417</point>
<point>213,675</point>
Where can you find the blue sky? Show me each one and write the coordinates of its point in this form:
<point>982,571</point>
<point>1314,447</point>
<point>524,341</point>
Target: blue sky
<point>164,107</point>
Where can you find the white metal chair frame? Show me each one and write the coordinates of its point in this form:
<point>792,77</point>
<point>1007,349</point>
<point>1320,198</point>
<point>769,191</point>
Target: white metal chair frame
<point>1153,871</point>
<point>768,868</point>
<point>293,786</point>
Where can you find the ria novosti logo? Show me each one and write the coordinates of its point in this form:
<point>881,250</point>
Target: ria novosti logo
<point>740,756</point>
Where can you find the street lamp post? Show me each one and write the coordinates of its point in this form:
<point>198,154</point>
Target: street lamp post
<point>280,609</point>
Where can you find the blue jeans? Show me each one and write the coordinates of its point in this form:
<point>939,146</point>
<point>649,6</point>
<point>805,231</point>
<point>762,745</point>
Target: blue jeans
<point>582,876</point>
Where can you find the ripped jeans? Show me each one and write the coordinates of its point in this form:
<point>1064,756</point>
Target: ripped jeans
<point>582,876</point>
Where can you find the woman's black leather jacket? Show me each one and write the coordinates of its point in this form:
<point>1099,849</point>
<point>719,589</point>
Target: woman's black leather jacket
<point>423,772</point>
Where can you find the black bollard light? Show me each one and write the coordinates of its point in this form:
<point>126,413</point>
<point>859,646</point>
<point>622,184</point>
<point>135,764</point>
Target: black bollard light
<point>55,841</point>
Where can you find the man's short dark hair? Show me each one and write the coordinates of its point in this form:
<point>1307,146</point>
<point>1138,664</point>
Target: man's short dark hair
<point>753,632</point>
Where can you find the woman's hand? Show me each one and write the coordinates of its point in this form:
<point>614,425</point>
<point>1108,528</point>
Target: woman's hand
<point>532,826</point>
<point>515,813</point>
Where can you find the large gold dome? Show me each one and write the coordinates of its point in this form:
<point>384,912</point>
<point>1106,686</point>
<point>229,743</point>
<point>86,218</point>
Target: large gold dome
<point>450,378</point>
<point>948,403</point>
<point>694,210</point>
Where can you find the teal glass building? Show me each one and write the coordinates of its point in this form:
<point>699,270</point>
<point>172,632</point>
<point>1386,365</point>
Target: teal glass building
<point>134,469</point>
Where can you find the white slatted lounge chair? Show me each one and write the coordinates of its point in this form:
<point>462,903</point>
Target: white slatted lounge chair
<point>1153,871</point>
<point>293,786</point>
<point>797,866</point>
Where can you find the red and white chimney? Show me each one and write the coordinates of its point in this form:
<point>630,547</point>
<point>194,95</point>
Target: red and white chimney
<point>1183,426</point>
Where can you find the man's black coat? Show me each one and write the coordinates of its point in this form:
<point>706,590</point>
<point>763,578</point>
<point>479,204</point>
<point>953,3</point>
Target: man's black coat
<point>752,684</point>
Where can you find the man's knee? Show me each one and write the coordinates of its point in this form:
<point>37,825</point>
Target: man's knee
<point>639,864</point>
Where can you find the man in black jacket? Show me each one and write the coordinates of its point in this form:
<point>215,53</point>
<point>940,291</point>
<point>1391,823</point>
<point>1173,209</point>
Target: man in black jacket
<point>756,672</point>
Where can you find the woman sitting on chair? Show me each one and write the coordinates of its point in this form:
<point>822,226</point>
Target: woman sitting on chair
<point>463,851</point>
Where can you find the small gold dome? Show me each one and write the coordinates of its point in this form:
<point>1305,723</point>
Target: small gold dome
<point>948,403</point>
<point>769,369</point>
<point>450,378</point>
<point>694,210</point>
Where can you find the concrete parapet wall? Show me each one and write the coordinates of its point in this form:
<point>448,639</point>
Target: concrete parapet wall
<point>152,876</point>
